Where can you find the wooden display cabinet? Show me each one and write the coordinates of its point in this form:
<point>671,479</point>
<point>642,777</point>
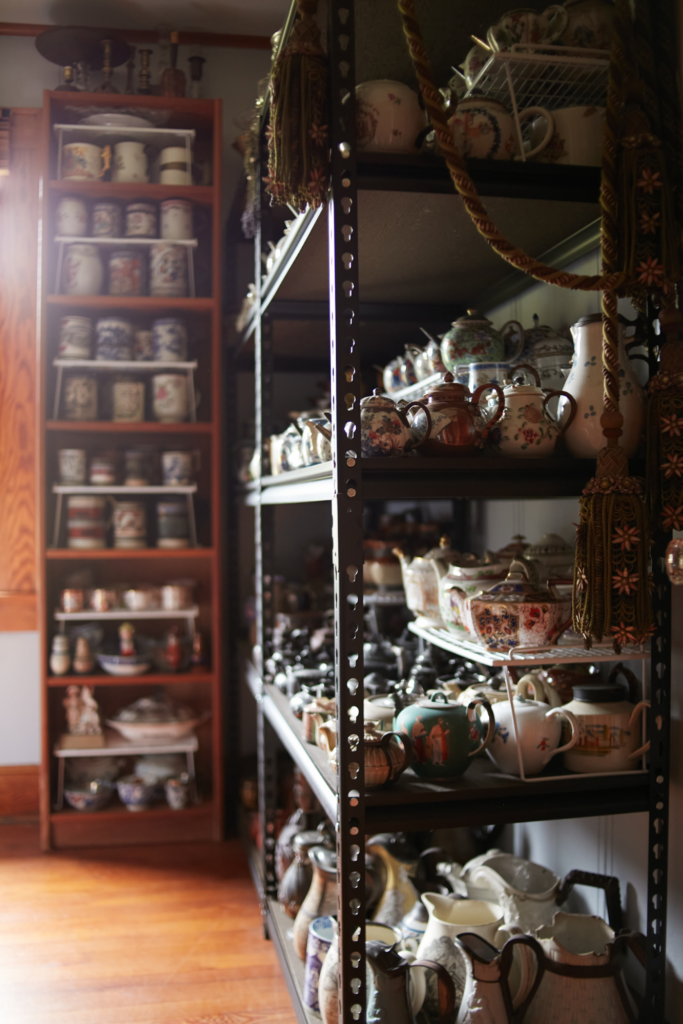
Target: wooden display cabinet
<point>200,688</point>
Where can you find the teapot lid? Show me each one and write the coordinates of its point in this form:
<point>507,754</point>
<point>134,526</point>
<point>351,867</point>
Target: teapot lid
<point>377,401</point>
<point>600,693</point>
<point>516,385</point>
<point>444,552</point>
<point>518,586</point>
<point>473,316</point>
<point>549,544</point>
<point>447,391</point>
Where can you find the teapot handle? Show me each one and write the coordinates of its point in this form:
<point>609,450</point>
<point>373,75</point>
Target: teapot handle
<point>492,723</point>
<point>407,753</point>
<point>610,884</point>
<point>531,369</point>
<point>517,1016</point>
<point>631,678</point>
<point>526,115</point>
<point>572,402</point>
<point>476,398</point>
<point>446,988</point>
<point>519,348</point>
<point>425,410</point>
<point>106,161</point>
<point>575,729</point>
<point>533,683</point>
<point>634,714</point>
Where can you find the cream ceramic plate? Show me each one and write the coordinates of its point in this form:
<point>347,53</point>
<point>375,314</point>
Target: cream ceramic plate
<point>138,731</point>
<point>114,120</point>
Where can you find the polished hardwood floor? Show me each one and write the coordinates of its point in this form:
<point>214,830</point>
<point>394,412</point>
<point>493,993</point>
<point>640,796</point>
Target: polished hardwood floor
<point>133,935</point>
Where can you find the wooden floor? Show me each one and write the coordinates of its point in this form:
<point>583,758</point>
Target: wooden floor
<point>135,935</point>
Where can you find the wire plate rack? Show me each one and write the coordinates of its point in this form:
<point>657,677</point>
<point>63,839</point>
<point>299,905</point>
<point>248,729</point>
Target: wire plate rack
<point>547,76</point>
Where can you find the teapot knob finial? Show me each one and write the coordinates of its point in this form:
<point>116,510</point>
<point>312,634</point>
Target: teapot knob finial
<point>448,378</point>
<point>472,312</point>
<point>376,393</point>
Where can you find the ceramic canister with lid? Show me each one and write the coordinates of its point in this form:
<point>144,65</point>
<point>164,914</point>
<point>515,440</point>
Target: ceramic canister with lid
<point>176,219</point>
<point>176,468</point>
<point>141,220</point>
<point>71,217</point>
<point>106,220</point>
<point>82,272</point>
<point>169,396</point>
<point>130,162</point>
<point>172,524</point>
<point>609,733</point>
<point>75,337</point>
<point>127,272</point>
<point>174,166</point>
<point>168,270</point>
<point>130,524</point>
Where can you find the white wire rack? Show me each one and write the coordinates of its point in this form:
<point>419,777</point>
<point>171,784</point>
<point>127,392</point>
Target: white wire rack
<point>544,76</point>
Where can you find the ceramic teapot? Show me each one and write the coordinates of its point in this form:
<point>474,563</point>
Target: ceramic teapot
<point>420,582</point>
<point>528,733</point>
<point>386,756</point>
<point>536,686</point>
<point>458,425</point>
<point>484,129</point>
<point>551,354</point>
<point>516,612</point>
<point>432,361</point>
<point>579,973</point>
<point>465,580</point>
<point>444,735</point>
<point>386,430</point>
<point>526,427</point>
<point>316,441</point>
<point>608,738</point>
<point>583,433</point>
<point>525,25</point>
<point>473,339</point>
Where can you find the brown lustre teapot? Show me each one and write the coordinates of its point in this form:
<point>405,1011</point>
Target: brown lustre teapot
<point>459,426</point>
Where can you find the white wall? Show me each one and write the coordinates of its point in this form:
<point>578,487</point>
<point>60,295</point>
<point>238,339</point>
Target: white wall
<point>229,74</point>
<point>615,845</point>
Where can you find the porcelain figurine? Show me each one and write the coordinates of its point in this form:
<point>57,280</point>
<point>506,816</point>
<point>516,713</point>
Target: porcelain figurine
<point>60,657</point>
<point>599,995</point>
<point>386,430</point>
<point>525,25</point>
<point>82,712</point>
<point>173,652</point>
<point>483,128</point>
<point>584,437</point>
<point>388,117</point>
<point>458,424</point>
<point>527,892</point>
<point>444,735</point>
<point>420,582</point>
<point>526,428</point>
<point>590,24</point>
<point>83,659</point>
<point>473,339</point>
<point>532,735</point>
<point>516,612</point>
<point>609,734</point>
<point>469,578</point>
<point>399,859</point>
<point>126,634</point>
<point>321,898</point>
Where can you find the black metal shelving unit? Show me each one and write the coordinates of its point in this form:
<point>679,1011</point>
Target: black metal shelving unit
<point>390,250</point>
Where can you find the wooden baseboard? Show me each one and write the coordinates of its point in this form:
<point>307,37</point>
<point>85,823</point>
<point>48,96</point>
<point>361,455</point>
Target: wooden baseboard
<point>19,791</point>
<point>18,611</point>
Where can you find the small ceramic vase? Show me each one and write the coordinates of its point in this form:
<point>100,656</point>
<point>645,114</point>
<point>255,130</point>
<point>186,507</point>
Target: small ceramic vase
<point>71,217</point>
<point>82,271</point>
<point>525,25</point>
<point>590,24</point>
<point>60,658</point>
<point>81,161</point>
<point>532,734</point>
<point>473,338</point>
<point>106,220</point>
<point>526,428</point>
<point>388,117</point>
<point>141,220</point>
<point>114,339</point>
<point>321,898</point>
<point>83,659</point>
<point>483,128</point>
<point>385,429</point>
<point>176,219</point>
<point>127,272</point>
<point>169,397</point>
<point>169,340</point>
<point>444,735</point>
<point>80,397</point>
<point>130,162</point>
<point>584,437</point>
<point>168,270</point>
<point>75,337</point>
<point>72,465</point>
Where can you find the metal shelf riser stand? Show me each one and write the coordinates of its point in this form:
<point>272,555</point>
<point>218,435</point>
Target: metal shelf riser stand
<point>347,511</point>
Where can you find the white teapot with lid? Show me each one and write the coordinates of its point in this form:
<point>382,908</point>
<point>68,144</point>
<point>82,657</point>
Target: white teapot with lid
<point>526,427</point>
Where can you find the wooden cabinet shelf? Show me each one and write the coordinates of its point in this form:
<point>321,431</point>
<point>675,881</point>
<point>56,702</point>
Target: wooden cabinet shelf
<point>60,554</point>
<point>106,426</point>
<point>150,679</point>
<point>132,303</point>
<point>201,194</point>
<point>117,826</point>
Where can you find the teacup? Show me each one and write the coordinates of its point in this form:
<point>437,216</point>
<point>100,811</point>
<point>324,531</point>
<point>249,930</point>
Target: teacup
<point>169,340</point>
<point>128,400</point>
<point>130,524</point>
<point>172,525</point>
<point>71,217</point>
<point>176,468</point>
<point>82,270</point>
<point>75,337</point>
<point>577,138</point>
<point>82,161</point>
<point>80,397</point>
<point>130,162</point>
<point>106,220</point>
<point>72,465</point>
<point>168,270</point>
<point>114,339</point>
<point>176,219</point>
<point>174,167</point>
<point>169,402</point>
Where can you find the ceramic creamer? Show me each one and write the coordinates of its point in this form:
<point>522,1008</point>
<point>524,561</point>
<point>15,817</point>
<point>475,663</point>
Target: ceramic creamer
<point>526,891</point>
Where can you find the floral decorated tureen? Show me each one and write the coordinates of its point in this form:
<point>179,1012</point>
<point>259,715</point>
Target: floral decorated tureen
<point>518,613</point>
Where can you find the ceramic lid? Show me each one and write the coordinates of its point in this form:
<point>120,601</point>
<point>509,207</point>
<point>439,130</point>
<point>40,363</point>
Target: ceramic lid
<point>447,392</point>
<point>444,552</point>
<point>517,587</point>
<point>516,548</point>
<point>473,316</point>
<point>549,544</point>
<point>377,401</point>
<point>600,693</point>
<point>479,96</point>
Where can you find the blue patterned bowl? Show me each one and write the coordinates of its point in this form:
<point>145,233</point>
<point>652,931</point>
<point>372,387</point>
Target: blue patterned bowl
<point>90,796</point>
<point>135,792</point>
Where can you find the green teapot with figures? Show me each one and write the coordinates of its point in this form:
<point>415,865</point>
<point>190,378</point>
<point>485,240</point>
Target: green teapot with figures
<point>444,735</point>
